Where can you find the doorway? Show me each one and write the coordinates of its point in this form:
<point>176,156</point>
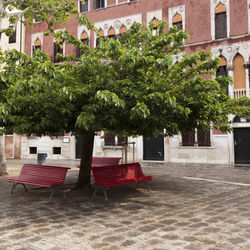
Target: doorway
<point>242,145</point>
<point>153,148</point>
<point>78,146</point>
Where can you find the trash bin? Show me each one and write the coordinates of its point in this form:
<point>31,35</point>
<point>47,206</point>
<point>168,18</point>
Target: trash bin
<point>41,157</point>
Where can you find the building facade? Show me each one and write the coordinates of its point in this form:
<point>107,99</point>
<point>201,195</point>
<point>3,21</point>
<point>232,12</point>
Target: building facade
<point>12,142</point>
<point>220,26</point>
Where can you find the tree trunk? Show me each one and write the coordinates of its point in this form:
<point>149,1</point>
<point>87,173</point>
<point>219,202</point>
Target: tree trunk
<point>86,159</point>
<point>3,170</point>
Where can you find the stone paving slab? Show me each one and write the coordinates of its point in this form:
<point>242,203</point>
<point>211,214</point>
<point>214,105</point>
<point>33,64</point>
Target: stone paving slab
<point>189,207</point>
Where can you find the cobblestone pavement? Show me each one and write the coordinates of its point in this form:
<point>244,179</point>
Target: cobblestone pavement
<point>189,207</point>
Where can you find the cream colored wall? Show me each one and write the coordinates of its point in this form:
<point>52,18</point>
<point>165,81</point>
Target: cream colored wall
<point>19,45</point>
<point>45,144</point>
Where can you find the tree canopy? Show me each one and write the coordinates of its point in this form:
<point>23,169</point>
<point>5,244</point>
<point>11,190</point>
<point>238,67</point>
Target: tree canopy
<point>27,11</point>
<point>131,86</point>
<point>49,11</point>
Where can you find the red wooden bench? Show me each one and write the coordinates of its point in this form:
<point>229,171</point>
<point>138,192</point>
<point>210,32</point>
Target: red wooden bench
<point>104,161</point>
<point>117,175</point>
<point>40,175</point>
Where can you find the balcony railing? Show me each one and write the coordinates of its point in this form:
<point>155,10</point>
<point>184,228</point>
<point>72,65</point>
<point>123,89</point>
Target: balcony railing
<point>238,93</point>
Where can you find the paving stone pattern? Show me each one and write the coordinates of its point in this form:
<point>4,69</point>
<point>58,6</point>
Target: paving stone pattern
<point>178,213</point>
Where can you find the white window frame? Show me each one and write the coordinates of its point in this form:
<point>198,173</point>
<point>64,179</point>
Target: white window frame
<point>214,4</point>
<point>177,10</point>
<point>83,11</point>
<point>196,140</point>
<point>34,37</point>
<point>248,7</point>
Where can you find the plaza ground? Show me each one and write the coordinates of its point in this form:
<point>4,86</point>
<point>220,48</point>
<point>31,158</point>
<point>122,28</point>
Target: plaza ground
<point>189,207</point>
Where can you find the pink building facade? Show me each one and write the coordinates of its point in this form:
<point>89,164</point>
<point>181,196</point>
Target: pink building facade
<point>220,26</point>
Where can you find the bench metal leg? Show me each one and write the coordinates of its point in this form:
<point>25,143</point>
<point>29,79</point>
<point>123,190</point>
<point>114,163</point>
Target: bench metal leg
<point>105,194</point>
<point>94,194</point>
<point>54,190</point>
<point>147,186</point>
<point>15,184</point>
<point>137,184</point>
<point>51,194</point>
<point>103,190</point>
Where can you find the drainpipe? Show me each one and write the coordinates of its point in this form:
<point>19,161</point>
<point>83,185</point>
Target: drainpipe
<point>21,32</point>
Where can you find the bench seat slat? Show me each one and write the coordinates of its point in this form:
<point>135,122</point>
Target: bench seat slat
<point>40,175</point>
<point>122,174</point>
<point>104,161</point>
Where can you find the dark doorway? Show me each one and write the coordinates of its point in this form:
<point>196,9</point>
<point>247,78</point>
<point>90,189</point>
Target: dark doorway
<point>78,147</point>
<point>153,148</point>
<point>242,145</point>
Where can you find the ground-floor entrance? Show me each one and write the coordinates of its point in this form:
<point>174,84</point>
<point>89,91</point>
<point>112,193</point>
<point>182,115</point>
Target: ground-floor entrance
<point>242,145</point>
<point>78,147</point>
<point>153,148</point>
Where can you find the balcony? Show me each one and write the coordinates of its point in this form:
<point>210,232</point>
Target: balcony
<point>238,93</point>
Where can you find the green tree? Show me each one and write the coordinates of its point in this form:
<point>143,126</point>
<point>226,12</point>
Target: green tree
<point>49,11</point>
<point>130,86</point>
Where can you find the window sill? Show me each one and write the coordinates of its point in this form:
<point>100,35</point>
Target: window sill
<point>111,6</point>
<point>196,147</point>
<point>83,12</point>
<point>112,147</point>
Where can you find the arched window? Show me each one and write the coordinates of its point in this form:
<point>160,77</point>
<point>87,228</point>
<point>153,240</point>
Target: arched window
<point>220,16</point>
<point>123,30</point>
<point>58,49</point>
<point>85,39</point>
<point>111,33</point>
<point>177,20</point>
<point>239,76</point>
<point>239,72</point>
<point>222,69</point>
<point>37,44</point>
<point>101,33</point>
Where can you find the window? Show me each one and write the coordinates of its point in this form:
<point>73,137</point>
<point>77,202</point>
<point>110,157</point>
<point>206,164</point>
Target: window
<point>111,2</point>
<point>222,69</point>
<point>84,7</point>
<point>101,33</point>
<point>12,38</point>
<point>56,150</point>
<point>188,138</point>
<point>84,38</point>
<point>37,20</point>
<point>57,50</point>
<point>37,45</point>
<point>220,22</point>
<point>196,138</point>
<point>111,33</point>
<point>122,31</point>
<point>155,24</point>
<point>239,76</point>
<point>112,140</point>
<point>98,4</point>
<point>177,21</point>
<point>33,150</point>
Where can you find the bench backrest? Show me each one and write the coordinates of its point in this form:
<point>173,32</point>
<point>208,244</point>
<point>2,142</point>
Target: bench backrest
<point>44,172</point>
<point>104,161</point>
<point>116,172</point>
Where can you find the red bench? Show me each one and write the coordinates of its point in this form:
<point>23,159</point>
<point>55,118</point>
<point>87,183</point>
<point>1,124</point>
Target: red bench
<point>104,161</point>
<point>117,175</point>
<point>40,175</point>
